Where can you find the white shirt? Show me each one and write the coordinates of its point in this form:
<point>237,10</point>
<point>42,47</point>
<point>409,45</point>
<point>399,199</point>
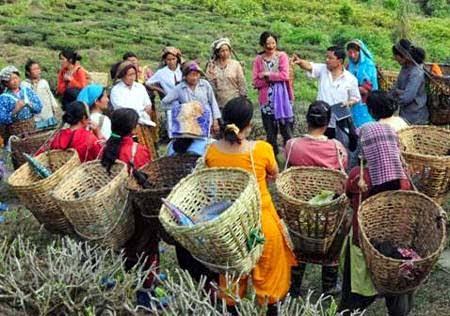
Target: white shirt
<point>134,97</point>
<point>105,127</point>
<point>342,89</point>
<point>166,78</point>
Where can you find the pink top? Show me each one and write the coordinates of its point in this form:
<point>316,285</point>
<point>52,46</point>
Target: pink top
<point>281,75</point>
<point>318,152</point>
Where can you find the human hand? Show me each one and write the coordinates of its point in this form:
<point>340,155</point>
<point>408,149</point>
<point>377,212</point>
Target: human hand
<point>362,185</point>
<point>19,105</point>
<point>67,77</point>
<point>148,109</point>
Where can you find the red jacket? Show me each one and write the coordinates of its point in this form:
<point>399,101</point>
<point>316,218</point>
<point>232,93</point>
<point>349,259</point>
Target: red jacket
<point>83,141</point>
<point>79,80</point>
<point>142,156</point>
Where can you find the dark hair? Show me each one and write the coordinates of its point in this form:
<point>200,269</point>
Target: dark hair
<point>338,51</point>
<point>29,63</point>
<point>181,145</point>
<point>123,121</point>
<point>238,111</point>
<point>353,46</point>
<point>265,35</point>
<point>318,115</point>
<point>113,70</point>
<point>74,113</point>
<point>416,53</point>
<point>71,55</point>
<point>128,55</point>
<point>163,58</point>
<point>381,105</point>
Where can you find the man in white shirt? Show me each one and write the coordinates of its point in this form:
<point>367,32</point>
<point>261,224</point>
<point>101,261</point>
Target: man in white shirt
<point>336,86</point>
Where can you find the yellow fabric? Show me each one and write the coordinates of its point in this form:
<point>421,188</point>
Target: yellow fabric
<point>272,274</point>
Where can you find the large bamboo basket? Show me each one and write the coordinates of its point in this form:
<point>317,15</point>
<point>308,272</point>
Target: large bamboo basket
<point>27,143</point>
<point>221,244</point>
<point>94,200</point>
<point>163,173</point>
<point>426,150</point>
<point>407,219</point>
<point>438,92</point>
<point>20,127</point>
<point>34,192</point>
<point>313,228</point>
<point>386,79</point>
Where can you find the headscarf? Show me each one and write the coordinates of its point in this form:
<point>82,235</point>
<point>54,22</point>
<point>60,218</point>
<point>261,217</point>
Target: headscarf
<point>380,148</point>
<point>217,44</point>
<point>5,73</point>
<point>171,50</point>
<point>123,68</point>
<point>90,94</point>
<point>190,66</point>
<point>364,69</point>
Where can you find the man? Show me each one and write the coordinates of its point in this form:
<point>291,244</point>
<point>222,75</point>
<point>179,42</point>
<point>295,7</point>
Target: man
<point>337,87</point>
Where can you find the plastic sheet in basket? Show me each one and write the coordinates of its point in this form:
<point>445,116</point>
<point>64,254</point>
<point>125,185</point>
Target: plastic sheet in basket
<point>34,192</point>
<point>220,244</point>
<point>407,219</point>
<point>312,227</point>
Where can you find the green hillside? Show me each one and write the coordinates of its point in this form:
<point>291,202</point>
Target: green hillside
<point>104,30</point>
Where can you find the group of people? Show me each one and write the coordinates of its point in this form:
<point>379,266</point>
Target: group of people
<point>351,127</point>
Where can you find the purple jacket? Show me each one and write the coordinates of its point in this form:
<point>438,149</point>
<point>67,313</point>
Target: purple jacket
<point>281,75</point>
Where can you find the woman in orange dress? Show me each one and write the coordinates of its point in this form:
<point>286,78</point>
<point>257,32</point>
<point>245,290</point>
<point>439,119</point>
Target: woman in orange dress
<point>271,276</point>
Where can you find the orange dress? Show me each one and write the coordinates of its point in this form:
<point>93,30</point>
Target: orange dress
<point>271,276</point>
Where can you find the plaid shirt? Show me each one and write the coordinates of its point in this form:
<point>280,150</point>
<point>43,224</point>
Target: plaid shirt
<point>380,147</point>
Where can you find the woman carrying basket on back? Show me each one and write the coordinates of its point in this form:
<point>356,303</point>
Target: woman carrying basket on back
<point>271,275</point>
<point>384,171</point>
<point>315,149</point>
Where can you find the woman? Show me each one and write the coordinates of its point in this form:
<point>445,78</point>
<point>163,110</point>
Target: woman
<point>72,77</point>
<point>276,97</point>
<point>18,103</point>
<point>169,75</point>
<point>362,66</point>
<point>193,89</point>
<point>121,146</point>
<point>383,108</point>
<point>271,275</point>
<point>385,171</point>
<point>127,93</point>
<point>225,74</point>
<point>409,89</point>
<point>315,149</point>
<point>82,135</point>
<point>94,95</point>
<point>50,109</point>
<point>143,73</point>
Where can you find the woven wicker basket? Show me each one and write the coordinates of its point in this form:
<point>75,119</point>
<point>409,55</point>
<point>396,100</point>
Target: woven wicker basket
<point>21,127</point>
<point>386,79</point>
<point>33,192</point>
<point>120,232</point>
<point>312,227</point>
<point>438,93</point>
<point>220,244</point>
<point>94,200</point>
<point>426,151</point>
<point>27,143</point>
<point>163,174</point>
<point>407,219</point>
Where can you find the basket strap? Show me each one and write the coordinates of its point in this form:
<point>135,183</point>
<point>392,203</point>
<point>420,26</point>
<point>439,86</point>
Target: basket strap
<point>289,154</point>
<point>251,147</point>
<point>340,156</point>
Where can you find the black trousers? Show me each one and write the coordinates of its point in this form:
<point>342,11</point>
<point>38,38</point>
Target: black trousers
<point>397,305</point>
<point>272,126</point>
<point>329,278</point>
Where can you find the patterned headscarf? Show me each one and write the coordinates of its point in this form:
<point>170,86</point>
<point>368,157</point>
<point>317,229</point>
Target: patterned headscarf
<point>190,66</point>
<point>123,68</point>
<point>217,44</point>
<point>171,50</point>
<point>5,73</point>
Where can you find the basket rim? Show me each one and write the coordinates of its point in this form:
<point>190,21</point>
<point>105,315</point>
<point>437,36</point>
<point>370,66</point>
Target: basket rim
<point>405,192</point>
<point>204,224</point>
<point>77,170</point>
<point>41,181</point>
<point>141,191</point>
<point>424,127</point>
<point>308,168</point>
